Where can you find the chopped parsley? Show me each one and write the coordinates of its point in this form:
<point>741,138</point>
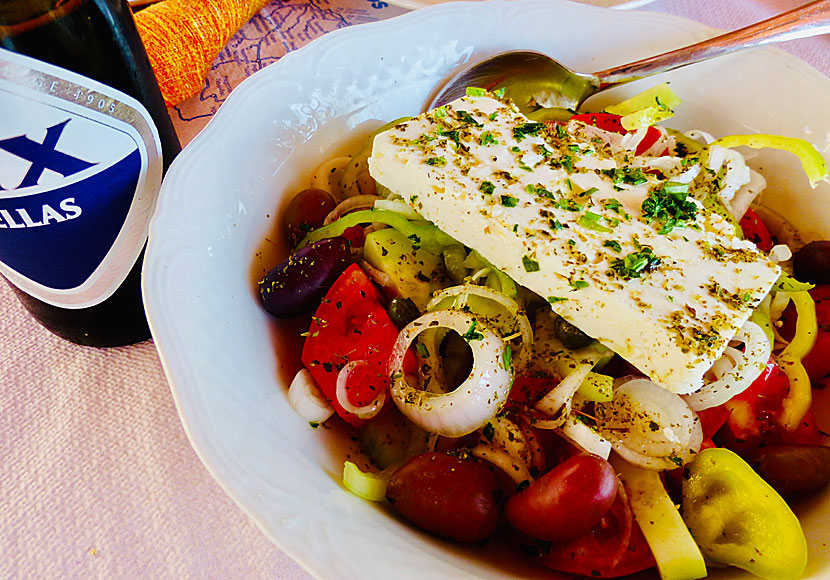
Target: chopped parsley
<point>669,207</point>
<point>472,333</point>
<point>509,201</point>
<point>578,284</point>
<point>487,187</point>
<point>591,221</point>
<point>530,265</point>
<point>555,299</point>
<point>522,131</point>
<point>487,138</point>
<point>613,244</point>
<point>436,161</point>
<point>635,264</point>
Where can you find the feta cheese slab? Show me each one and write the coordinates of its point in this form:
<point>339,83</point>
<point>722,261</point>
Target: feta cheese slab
<point>561,211</point>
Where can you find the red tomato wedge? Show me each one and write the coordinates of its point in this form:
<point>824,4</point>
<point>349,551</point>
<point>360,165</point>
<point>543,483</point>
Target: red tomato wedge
<point>756,231</point>
<point>614,547</point>
<point>613,124</point>
<point>351,324</point>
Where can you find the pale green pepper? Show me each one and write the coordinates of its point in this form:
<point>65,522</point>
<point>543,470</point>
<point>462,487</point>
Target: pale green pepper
<point>738,519</point>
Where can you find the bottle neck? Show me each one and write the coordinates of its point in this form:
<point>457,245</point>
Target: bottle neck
<point>19,17</point>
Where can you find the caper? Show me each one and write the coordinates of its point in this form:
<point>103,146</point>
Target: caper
<point>570,335</point>
<point>402,311</point>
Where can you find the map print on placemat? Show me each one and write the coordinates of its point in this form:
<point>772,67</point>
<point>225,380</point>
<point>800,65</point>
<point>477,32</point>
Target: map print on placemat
<point>281,27</point>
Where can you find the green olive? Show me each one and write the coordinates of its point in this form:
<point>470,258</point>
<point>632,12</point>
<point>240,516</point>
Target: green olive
<point>570,335</point>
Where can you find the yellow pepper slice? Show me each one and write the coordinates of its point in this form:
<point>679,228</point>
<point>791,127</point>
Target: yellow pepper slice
<point>812,162</point>
<point>800,396</point>
<point>738,519</point>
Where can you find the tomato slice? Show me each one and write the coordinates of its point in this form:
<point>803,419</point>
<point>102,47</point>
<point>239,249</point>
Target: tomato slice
<point>613,123</point>
<point>615,547</point>
<point>756,231</point>
<point>351,324</point>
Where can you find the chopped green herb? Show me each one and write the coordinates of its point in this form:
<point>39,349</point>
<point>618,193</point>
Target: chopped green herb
<point>613,244</point>
<point>578,284</point>
<point>591,221</point>
<point>472,334</point>
<point>555,299</point>
<point>669,207</point>
<point>507,358</point>
<point>475,92</point>
<point>530,265</point>
<point>487,187</point>
<point>635,264</point>
<point>522,131</point>
<point>487,138</point>
<point>509,201</point>
<point>467,118</point>
<point>436,161</point>
<point>423,351</point>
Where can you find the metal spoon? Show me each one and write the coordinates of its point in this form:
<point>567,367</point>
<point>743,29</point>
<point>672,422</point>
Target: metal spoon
<point>533,79</point>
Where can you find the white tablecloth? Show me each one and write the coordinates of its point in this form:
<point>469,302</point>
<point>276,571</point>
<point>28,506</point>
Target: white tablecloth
<point>97,478</point>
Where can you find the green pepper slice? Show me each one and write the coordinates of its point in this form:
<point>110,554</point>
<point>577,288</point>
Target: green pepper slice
<point>736,518</point>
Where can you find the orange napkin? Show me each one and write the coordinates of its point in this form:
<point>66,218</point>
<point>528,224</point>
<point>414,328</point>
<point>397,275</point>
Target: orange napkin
<point>184,37</point>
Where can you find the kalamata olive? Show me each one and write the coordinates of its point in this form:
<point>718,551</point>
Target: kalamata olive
<point>296,286</point>
<point>793,470</point>
<point>402,311</point>
<point>451,497</point>
<point>305,212</point>
<point>570,335</point>
<point>567,501</point>
<point>812,263</point>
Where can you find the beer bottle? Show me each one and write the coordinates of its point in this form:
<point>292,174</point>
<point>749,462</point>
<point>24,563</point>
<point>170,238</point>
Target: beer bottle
<point>85,137</point>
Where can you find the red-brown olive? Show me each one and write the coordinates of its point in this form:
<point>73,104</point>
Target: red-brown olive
<point>451,497</point>
<point>793,470</point>
<point>297,285</point>
<point>305,212</point>
<point>812,263</point>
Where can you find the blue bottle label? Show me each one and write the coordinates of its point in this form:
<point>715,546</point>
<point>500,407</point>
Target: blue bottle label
<point>80,170</point>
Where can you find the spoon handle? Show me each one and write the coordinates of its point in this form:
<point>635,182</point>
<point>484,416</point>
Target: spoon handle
<point>809,20</point>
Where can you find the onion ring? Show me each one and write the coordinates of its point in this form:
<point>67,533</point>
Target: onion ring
<point>748,366</point>
<point>477,400</point>
<point>649,426</point>
<point>365,412</point>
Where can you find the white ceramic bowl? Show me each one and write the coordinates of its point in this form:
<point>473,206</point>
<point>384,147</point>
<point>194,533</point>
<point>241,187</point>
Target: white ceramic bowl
<point>227,365</point>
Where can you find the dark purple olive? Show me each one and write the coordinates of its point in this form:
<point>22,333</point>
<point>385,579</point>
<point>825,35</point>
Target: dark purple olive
<point>793,470</point>
<point>306,212</point>
<point>812,263</point>
<point>297,286</point>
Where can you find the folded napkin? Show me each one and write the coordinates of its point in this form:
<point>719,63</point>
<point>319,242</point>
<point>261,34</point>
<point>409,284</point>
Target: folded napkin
<point>183,38</point>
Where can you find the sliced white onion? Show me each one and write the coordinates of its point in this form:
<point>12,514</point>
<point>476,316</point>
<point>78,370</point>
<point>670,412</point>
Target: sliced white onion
<point>516,319</point>
<point>630,141</point>
<point>745,368</point>
<point>476,401</point>
<point>746,194</point>
<point>365,412</point>
<point>350,204</point>
<point>700,136</point>
<point>307,400</point>
<point>649,426</point>
<point>585,437</point>
<point>327,176</point>
<point>780,253</point>
<point>507,449</point>
<point>398,206</point>
<point>558,400</point>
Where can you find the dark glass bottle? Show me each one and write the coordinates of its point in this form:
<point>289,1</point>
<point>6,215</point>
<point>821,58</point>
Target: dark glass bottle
<point>98,40</point>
